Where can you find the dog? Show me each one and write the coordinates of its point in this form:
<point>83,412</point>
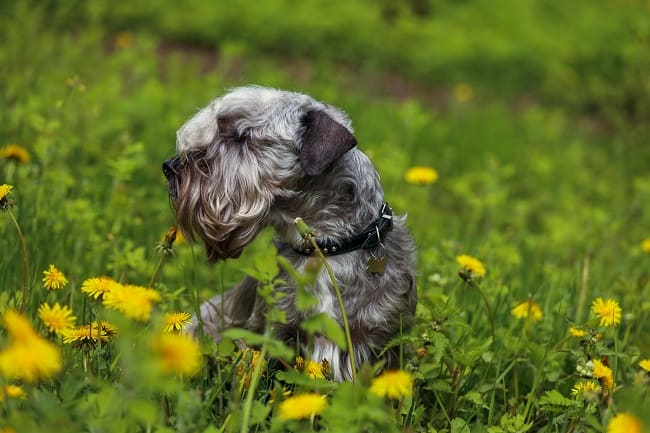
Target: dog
<point>258,157</point>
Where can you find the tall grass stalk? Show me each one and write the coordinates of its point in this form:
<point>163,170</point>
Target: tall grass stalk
<point>23,248</point>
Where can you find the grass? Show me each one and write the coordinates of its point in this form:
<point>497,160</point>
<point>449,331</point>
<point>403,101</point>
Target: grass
<point>536,128</point>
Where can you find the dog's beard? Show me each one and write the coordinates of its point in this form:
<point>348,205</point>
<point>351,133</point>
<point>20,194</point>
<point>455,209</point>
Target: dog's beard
<point>225,211</point>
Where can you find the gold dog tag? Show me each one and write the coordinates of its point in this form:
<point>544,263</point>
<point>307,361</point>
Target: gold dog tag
<point>376,266</point>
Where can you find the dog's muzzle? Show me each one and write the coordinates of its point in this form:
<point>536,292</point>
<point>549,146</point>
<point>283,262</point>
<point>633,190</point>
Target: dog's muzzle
<point>170,170</point>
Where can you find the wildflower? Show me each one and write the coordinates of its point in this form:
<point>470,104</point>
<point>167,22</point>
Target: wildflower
<point>471,264</point>
<point>576,332</point>
<point>246,365</point>
<point>15,153</point>
<point>123,40</point>
<point>166,246</point>
<point>177,353</point>
<point>90,335</point>
<point>96,287</point>
<point>463,92</point>
<point>54,279</point>
<point>313,369</point>
<point>527,310</point>
<point>604,374</point>
<point>586,387</point>
<point>395,384</point>
<point>284,394</point>
<point>133,301</point>
<point>607,311</point>
<point>645,245</point>
<point>624,423</point>
<point>176,321</point>
<point>302,406</point>
<point>58,319</point>
<point>28,356</point>
<point>645,364</point>
<point>12,391</point>
<point>5,202</point>
<point>420,175</point>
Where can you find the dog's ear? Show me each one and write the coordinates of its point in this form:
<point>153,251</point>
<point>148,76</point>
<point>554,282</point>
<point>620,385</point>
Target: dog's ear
<point>324,140</point>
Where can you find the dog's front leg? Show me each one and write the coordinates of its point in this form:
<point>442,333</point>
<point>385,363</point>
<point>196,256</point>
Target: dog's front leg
<point>225,310</point>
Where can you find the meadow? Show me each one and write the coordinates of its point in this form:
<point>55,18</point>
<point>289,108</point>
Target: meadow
<point>526,122</point>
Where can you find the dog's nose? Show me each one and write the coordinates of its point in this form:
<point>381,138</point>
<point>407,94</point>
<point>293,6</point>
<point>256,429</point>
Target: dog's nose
<point>169,167</point>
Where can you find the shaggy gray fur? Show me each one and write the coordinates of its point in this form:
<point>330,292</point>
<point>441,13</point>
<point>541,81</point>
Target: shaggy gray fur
<point>259,157</point>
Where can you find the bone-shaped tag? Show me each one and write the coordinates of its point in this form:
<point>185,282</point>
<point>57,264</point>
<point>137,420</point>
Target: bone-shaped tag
<point>376,266</point>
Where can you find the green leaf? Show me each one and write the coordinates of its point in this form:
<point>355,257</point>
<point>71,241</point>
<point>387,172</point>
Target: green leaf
<point>555,398</point>
<point>324,324</point>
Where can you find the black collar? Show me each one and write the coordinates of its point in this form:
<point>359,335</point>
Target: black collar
<point>371,237</point>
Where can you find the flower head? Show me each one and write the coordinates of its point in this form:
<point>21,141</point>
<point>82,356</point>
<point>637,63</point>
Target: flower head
<point>313,369</point>
<point>395,384</point>
<point>15,153</point>
<point>604,374</point>
<point>302,406</point>
<point>463,92</point>
<point>645,364</point>
<point>471,264</point>
<point>12,391</point>
<point>5,202</point>
<point>177,353</point>
<point>577,332</point>
<point>28,356</point>
<point>585,388</point>
<point>96,287</point>
<point>246,366</point>
<point>420,175</point>
<point>527,310</point>
<point>624,423</point>
<point>54,279</point>
<point>133,301</point>
<point>88,336</point>
<point>607,311</point>
<point>58,319</point>
<point>645,245</point>
<point>176,321</point>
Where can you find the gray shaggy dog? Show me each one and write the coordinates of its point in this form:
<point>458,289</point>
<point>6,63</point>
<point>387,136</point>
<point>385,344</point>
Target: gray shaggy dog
<point>259,157</point>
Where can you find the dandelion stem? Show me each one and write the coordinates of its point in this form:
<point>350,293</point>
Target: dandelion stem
<point>344,315</point>
<point>25,263</point>
<point>487,307</point>
<point>154,277</point>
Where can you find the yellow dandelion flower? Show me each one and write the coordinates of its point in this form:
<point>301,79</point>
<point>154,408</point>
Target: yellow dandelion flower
<point>54,279</point>
<point>133,301</point>
<point>607,311</point>
<point>645,245</point>
<point>13,391</point>
<point>246,366</point>
<point>18,326</point>
<point>576,332</point>
<point>96,287</point>
<point>624,423</point>
<point>91,334</point>
<point>302,406</point>
<point>28,356</point>
<point>471,264</point>
<point>420,175</point>
<point>604,374</point>
<point>176,321</point>
<point>645,364</point>
<point>463,93</point>
<point>15,153</point>
<point>5,190</point>
<point>586,387</point>
<point>58,319</point>
<point>527,310</point>
<point>177,353</point>
<point>395,384</point>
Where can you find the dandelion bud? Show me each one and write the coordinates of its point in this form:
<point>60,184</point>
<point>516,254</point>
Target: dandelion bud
<point>305,231</point>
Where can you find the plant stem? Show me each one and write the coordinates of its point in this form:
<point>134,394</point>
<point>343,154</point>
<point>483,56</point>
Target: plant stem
<point>154,277</point>
<point>251,390</point>
<point>487,307</point>
<point>344,315</point>
<point>25,263</point>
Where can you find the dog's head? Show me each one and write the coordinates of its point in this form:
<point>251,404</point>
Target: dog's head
<point>239,153</point>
